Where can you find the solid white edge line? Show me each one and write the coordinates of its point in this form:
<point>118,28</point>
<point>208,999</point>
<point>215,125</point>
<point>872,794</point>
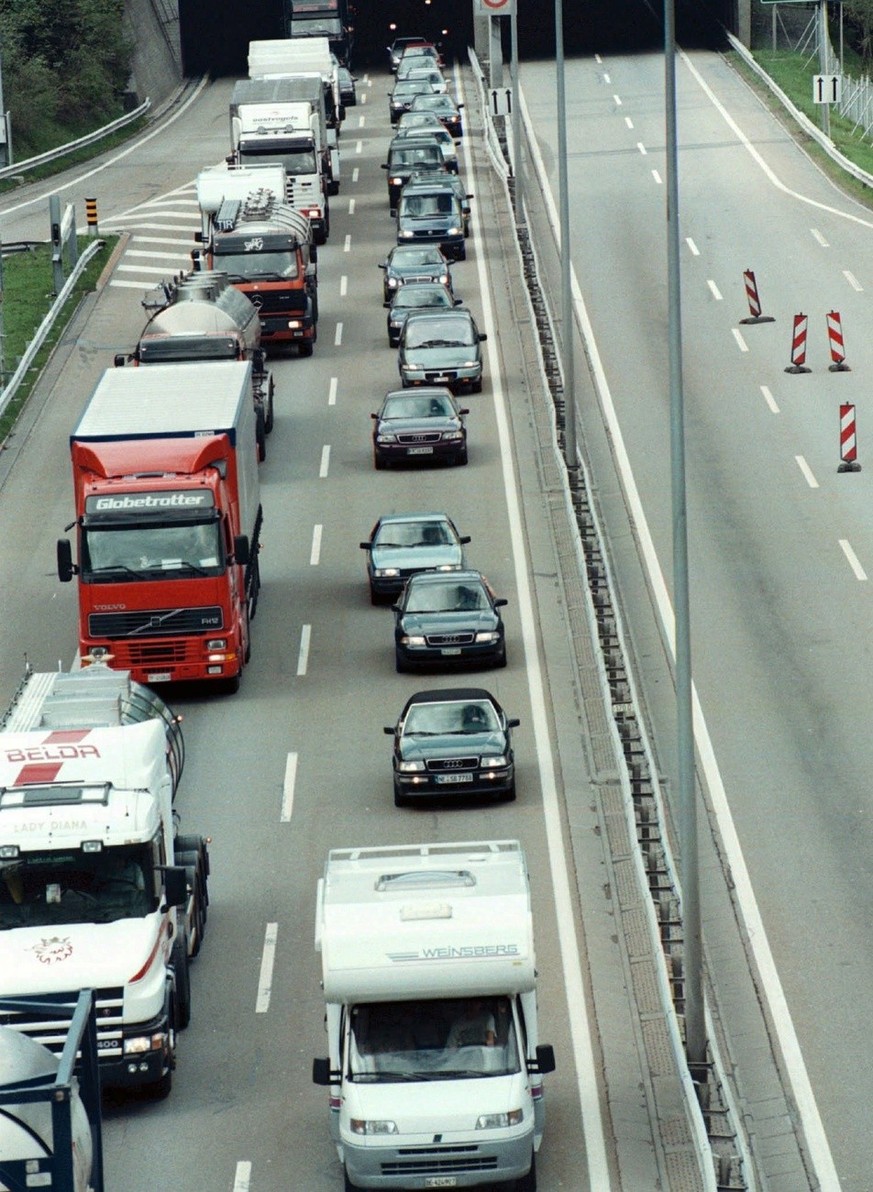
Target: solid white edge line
<point>303,656</point>
<point>288,784</point>
<point>571,962</point>
<point>265,977</point>
<point>315,552</point>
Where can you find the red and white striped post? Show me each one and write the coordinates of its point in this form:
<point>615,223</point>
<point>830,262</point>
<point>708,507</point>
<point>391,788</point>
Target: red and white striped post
<point>753,300</point>
<point>798,346</point>
<point>848,440</point>
<point>836,343</point>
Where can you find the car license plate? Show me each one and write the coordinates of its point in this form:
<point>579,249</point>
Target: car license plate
<point>441,1181</point>
<point>419,450</point>
<point>450,650</point>
<point>158,677</point>
<point>441,379</point>
<point>454,777</point>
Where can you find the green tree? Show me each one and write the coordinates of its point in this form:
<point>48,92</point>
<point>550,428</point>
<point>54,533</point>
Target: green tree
<point>859,14</point>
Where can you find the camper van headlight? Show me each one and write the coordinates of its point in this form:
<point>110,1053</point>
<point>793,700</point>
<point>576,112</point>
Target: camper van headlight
<point>413,767</point>
<point>499,1121</point>
<point>374,1126</point>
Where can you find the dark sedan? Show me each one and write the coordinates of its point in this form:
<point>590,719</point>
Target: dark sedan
<point>448,620</point>
<point>408,263</point>
<point>432,219</point>
<point>445,107</point>
<point>437,183</point>
<point>417,295</point>
<point>441,348</point>
<point>426,426</point>
<point>400,99</point>
<point>401,544</point>
<point>452,742</point>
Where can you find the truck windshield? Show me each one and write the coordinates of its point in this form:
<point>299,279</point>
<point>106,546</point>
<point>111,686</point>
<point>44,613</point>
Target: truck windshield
<point>439,1039</point>
<point>173,549</point>
<point>245,266</point>
<point>295,161</point>
<point>41,889</point>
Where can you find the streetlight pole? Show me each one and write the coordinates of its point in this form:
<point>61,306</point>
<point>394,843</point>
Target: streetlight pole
<point>570,450</point>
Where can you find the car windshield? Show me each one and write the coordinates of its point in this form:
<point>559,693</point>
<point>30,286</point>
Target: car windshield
<point>411,533</point>
<point>434,1039</point>
<point>446,597</point>
<point>408,297</point>
<point>419,120</point>
<point>454,716</point>
<point>417,256</point>
<point>422,156</point>
<point>439,332</point>
<point>434,103</point>
<point>417,406</point>
<point>419,205</point>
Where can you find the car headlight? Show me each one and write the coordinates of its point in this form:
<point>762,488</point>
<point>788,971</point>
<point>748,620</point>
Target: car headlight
<point>393,283</point>
<point>499,1121</point>
<point>405,234</point>
<point>410,367</point>
<point>449,435</point>
<point>468,364</point>
<point>372,1126</point>
<point>454,231</point>
<point>487,638</point>
<point>385,438</point>
<point>384,572</point>
<point>410,767</point>
<point>443,279</point>
<point>494,763</point>
<point>413,639</point>
<point>395,181</point>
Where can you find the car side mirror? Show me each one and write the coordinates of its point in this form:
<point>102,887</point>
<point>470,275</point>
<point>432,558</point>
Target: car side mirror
<point>176,885</point>
<point>120,361</point>
<point>365,545</point>
<point>465,538</point>
<point>545,1058</point>
<point>382,266</point>
<point>395,608</point>
<point>384,165</point>
<point>241,550</point>
<point>459,302</point>
<point>374,415</point>
<point>459,106</point>
<point>501,602</point>
<point>463,410</point>
<point>388,730</point>
<point>513,722</point>
<point>482,337</point>
<point>321,1073</point>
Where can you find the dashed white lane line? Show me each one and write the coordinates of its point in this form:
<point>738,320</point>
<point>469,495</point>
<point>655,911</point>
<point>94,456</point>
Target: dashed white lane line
<point>859,571</point>
<point>356,173</point>
<point>643,150</point>
<point>628,122</point>
<point>288,784</point>
<point>347,243</point>
<point>331,392</point>
<point>714,290</point>
<point>315,549</point>
<point>853,281</point>
<point>325,461</point>
<point>807,471</point>
<point>344,285</point>
<point>657,177</point>
<point>243,1176</point>
<point>695,251</point>
<point>338,337</point>
<point>265,977</point>
<point>738,336</point>
<point>769,399</point>
<point>617,100</point>
<point>351,206</point>
<point>818,236</point>
<point>303,656</point>
<point>359,146</point>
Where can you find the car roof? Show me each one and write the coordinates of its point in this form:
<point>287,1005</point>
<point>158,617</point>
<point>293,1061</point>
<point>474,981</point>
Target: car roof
<point>423,314</point>
<point>446,577</point>
<point>421,391</point>
<point>451,695</point>
<point>407,249</point>
<point>388,518</point>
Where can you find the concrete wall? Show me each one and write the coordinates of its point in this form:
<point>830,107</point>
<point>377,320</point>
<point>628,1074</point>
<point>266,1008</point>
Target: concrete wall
<point>157,59</point>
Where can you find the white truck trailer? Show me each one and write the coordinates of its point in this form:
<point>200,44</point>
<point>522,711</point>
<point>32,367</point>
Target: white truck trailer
<point>435,1067</point>
<point>96,889</point>
<point>283,56</point>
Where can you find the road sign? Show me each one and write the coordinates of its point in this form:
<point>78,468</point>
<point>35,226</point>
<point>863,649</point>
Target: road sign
<point>495,8</point>
<point>827,88</point>
<point>500,101</point>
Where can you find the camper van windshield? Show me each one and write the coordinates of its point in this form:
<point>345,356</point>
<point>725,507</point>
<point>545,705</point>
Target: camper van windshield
<point>439,1039</point>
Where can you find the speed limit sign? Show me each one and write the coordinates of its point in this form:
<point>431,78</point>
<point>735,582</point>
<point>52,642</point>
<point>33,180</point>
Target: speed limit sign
<point>495,8</point>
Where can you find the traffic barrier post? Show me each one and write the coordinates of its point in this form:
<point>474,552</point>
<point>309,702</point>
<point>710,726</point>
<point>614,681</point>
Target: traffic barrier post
<point>91,216</point>
<point>798,346</point>
<point>753,300</point>
<point>836,343</point>
<point>848,440</point>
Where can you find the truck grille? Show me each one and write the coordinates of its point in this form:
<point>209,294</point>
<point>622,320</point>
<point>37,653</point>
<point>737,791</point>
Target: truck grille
<point>160,622</point>
<point>52,1032</point>
<point>443,764</point>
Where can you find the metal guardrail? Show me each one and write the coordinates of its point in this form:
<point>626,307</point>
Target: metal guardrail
<point>41,334</point>
<point>41,159</point>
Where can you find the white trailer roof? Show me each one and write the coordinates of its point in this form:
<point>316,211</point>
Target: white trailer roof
<point>218,183</point>
<point>289,56</point>
<point>167,400</point>
<point>412,921</point>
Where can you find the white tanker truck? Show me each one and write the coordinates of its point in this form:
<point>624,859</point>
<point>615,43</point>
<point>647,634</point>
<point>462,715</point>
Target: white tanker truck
<point>200,317</point>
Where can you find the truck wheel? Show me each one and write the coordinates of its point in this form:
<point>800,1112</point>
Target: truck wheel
<point>198,846</point>
<point>160,1089</point>
<point>528,1183</point>
<point>306,347</point>
<point>269,417</point>
<point>193,864</point>
<point>261,436</point>
<point>183,981</point>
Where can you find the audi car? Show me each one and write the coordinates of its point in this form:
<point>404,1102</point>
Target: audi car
<point>424,426</point>
<point>452,742</point>
<point>417,295</point>
<point>448,621</point>
<point>410,263</point>
<point>400,544</point>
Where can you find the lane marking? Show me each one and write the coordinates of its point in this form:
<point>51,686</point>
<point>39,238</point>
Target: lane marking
<point>356,173</point>
<point>362,120</point>
<point>359,147</point>
<point>807,471</point>
<point>859,571</point>
<point>351,206</point>
<point>853,281</point>
<point>243,1176</point>
<point>325,461</point>
<point>818,236</point>
<point>695,251</point>
<point>716,293</point>
<point>265,977</point>
<point>738,336</point>
<point>288,784</point>
<point>303,656</point>
<point>617,100</point>
<point>606,78</point>
<point>643,150</point>
<point>315,549</point>
<point>575,987</point>
<point>628,122</point>
<point>331,392</point>
<point>338,337</point>
<point>344,285</point>
<point>769,399</point>
<point>657,177</point>
<point>347,243</point>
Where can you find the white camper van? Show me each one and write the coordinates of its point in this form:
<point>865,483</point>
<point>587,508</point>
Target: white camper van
<point>435,1069</point>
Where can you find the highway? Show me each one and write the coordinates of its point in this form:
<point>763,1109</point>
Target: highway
<point>781,541</point>
<point>297,762</point>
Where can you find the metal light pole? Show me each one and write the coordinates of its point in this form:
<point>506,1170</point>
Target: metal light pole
<point>516,117</point>
<point>695,1036</point>
<point>570,451</point>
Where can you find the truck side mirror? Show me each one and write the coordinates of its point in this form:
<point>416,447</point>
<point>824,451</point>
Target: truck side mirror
<point>176,885</point>
<point>545,1061</point>
<point>341,111</point>
<point>66,568</point>
<point>321,1071</point>
<point>241,552</point>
